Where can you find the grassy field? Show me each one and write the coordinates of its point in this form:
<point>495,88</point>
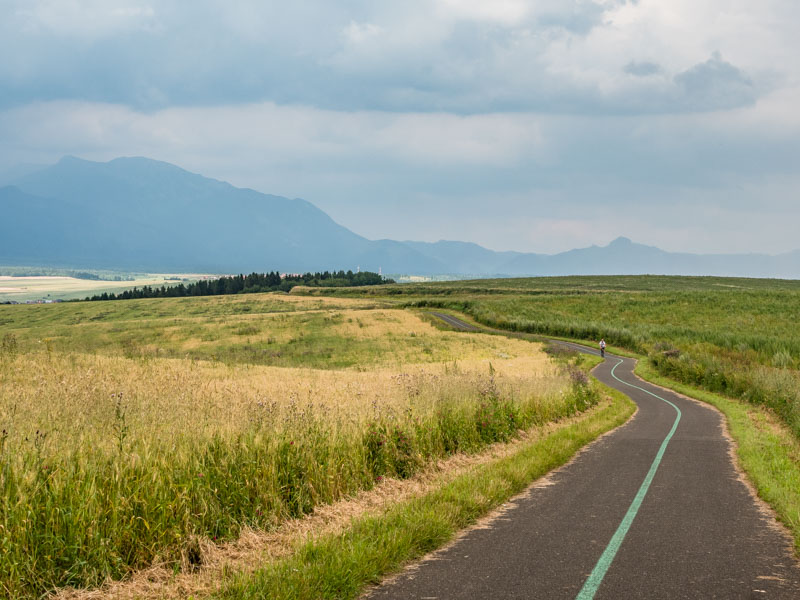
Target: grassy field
<point>260,329</point>
<point>731,342</point>
<point>22,289</point>
<point>137,432</point>
<point>733,336</point>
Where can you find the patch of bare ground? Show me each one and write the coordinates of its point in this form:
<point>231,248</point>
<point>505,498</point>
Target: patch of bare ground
<point>255,548</point>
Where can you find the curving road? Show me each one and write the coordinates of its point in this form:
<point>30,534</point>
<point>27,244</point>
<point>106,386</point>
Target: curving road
<point>655,509</point>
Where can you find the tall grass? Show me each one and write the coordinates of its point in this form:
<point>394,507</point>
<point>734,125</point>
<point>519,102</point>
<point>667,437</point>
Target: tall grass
<point>775,388</point>
<point>340,565</point>
<point>109,464</point>
<point>731,336</point>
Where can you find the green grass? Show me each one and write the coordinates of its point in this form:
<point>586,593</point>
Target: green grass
<point>575,285</point>
<point>751,320</point>
<point>731,342</point>
<point>733,336</point>
<point>727,312</point>
<point>341,566</point>
<point>264,330</point>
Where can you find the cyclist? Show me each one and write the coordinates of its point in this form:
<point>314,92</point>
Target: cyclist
<point>602,348</point>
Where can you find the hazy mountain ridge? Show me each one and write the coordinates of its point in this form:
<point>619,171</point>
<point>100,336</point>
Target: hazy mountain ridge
<point>137,213</point>
<point>620,257</point>
<point>143,214</point>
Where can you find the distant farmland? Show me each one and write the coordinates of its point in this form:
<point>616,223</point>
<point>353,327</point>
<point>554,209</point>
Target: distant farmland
<point>23,289</point>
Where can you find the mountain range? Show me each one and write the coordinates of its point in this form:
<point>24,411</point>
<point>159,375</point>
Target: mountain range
<point>146,215</point>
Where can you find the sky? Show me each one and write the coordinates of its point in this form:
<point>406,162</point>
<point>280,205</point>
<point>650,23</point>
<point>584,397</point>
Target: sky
<point>535,126</point>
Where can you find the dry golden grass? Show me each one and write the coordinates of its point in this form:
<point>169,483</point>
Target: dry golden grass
<point>254,548</point>
<point>269,329</point>
<point>126,459</point>
<point>79,391</point>
<point>394,336</point>
<point>74,396</point>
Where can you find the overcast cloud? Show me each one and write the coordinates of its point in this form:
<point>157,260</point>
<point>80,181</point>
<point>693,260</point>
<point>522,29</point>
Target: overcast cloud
<point>533,126</point>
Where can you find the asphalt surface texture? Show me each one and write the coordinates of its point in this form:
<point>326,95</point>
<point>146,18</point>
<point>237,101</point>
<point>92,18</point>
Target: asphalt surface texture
<point>699,532</point>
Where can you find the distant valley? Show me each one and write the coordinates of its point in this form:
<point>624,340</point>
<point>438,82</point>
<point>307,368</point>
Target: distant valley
<point>146,215</point>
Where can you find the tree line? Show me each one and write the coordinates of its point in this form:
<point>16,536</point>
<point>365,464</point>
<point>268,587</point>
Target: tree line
<point>249,284</point>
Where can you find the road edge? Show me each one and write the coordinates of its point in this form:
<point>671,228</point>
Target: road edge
<point>297,576</point>
<point>761,483</point>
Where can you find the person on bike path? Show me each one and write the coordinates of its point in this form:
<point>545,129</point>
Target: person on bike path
<point>602,348</point>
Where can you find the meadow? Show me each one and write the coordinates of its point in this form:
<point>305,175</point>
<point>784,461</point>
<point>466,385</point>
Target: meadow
<point>138,432</point>
<point>737,337</point>
<point>731,342</point>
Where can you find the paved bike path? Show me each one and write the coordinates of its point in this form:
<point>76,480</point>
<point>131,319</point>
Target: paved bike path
<point>698,532</point>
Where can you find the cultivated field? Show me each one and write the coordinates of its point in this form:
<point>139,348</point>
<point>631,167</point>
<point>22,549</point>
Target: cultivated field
<point>136,432</point>
<point>22,289</point>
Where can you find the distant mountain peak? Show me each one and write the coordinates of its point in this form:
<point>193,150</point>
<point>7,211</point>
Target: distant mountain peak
<point>621,241</point>
<point>143,214</point>
<point>70,159</point>
<point>148,215</point>
<point>142,160</point>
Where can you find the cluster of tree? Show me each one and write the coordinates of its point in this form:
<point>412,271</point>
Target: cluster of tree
<point>248,284</point>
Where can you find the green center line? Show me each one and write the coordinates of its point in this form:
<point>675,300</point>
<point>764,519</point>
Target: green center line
<point>589,588</point>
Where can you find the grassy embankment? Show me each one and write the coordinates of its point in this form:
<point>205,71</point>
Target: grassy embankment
<point>717,339</point>
<point>339,566</point>
<point>132,431</point>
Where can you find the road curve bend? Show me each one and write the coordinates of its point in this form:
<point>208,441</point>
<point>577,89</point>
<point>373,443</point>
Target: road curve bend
<point>655,509</point>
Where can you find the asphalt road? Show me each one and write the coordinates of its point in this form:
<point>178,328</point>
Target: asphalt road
<point>695,531</point>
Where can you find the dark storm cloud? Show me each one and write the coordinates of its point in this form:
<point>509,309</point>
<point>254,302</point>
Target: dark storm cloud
<point>464,57</point>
